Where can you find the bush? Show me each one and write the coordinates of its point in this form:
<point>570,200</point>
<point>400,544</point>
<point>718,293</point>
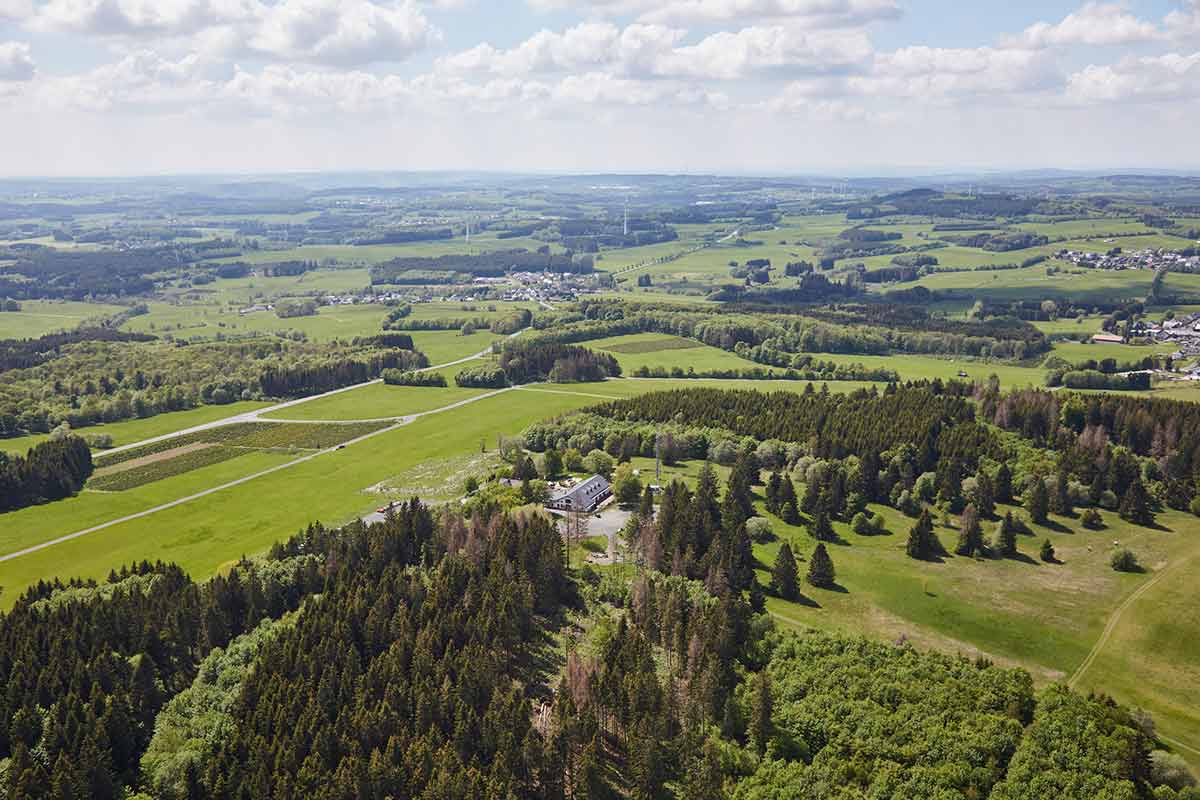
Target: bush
<point>1124,560</point>
<point>1092,520</point>
<point>483,377</point>
<point>396,377</point>
<point>861,524</point>
<point>1169,769</point>
<point>759,530</point>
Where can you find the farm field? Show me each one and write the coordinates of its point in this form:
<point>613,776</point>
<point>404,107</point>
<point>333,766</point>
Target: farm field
<point>657,350</point>
<point>204,534</point>
<point>378,401</point>
<point>136,430</point>
<point>1030,283</point>
<point>445,346</point>
<point>1079,351</point>
<point>39,317</point>
<point>920,367</point>
<point>208,321</point>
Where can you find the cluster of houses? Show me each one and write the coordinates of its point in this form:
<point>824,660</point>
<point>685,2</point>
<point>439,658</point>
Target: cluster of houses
<point>541,287</point>
<point>1135,259</point>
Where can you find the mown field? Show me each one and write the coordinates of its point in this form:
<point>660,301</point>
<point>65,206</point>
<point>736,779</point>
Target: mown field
<point>136,430</point>
<point>39,317</point>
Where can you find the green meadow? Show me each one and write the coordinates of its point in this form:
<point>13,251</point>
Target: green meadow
<point>39,317</point>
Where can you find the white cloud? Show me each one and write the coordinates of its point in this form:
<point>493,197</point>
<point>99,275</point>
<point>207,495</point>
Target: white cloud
<point>798,99</point>
<point>1172,76</point>
<point>1093,24</point>
<point>655,51</point>
<point>16,62</point>
<point>15,9</point>
<point>814,13</point>
<point>1184,24</point>
<point>936,73</point>
<point>141,17</point>
<point>589,45</point>
<point>343,32</point>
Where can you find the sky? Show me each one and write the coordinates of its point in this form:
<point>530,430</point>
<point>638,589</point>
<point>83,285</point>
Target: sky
<point>834,87</point>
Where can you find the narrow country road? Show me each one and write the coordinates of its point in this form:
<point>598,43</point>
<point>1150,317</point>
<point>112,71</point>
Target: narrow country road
<point>256,416</point>
<point>399,423</point>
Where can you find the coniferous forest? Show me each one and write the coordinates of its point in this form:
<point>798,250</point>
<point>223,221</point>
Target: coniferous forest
<point>434,656</point>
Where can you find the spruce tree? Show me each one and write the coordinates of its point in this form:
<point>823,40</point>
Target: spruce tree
<point>821,528</point>
<point>1006,538</point>
<point>774,487</point>
<point>761,727</point>
<point>784,575</point>
<point>1047,553</point>
<point>646,506</point>
<point>984,496</point>
<point>970,537</point>
<point>1135,505</point>
<point>820,568</point>
<point>1060,500</point>
<point>1038,501</point>
<point>920,544</point>
<point>1003,488</point>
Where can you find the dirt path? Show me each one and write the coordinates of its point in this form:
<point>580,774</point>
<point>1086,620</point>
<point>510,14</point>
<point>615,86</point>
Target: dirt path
<point>150,459</point>
<point>1114,619</point>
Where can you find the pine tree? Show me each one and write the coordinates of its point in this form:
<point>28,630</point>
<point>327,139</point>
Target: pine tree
<point>1135,505</point>
<point>984,497</point>
<point>1060,500</point>
<point>820,568</point>
<point>761,727</point>
<point>920,544</point>
<point>1047,553</point>
<point>789,513</point>
<point>821,528</point>
<point>1038,501</point>
<point>970,537</point>
<point>1003,490</point>
<point>774,487</point>
<point>1006,538</point>
<point>784,574</point>
<point>646,506</point>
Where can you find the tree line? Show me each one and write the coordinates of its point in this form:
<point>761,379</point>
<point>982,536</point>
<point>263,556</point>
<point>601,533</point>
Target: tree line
<point>50,471</point>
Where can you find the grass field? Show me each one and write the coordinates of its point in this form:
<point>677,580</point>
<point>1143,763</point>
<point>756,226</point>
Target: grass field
<point>660,350</point>
<point>136,430</point>
<point>207,321</point>
<point>1034,283</point>
<point>378,401</point>
<point>1044,617</point>
<point>39,317</point>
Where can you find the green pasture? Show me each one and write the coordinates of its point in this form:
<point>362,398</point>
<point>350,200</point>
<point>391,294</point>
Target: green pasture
<point>208,321</point>
<point>1084,351</point>
<point>39,317</point>
<point>137,430</point>
<point>378,401</point>
<point>1044,617</point>
<point>658,350</point>
<point>1081,286</point>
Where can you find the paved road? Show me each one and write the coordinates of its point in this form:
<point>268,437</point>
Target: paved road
<point>399,423</point>
<point>257,416</point>
<point>43,545</point>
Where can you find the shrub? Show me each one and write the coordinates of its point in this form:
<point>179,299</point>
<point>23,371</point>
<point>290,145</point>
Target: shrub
<point>759,530</point>
<point>861,524</point>
<point>1092,520</point>
<point>1169,769</point>
<point>1124,560</point>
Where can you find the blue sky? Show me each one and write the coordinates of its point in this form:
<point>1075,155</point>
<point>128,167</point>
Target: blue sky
<point>754,86</point>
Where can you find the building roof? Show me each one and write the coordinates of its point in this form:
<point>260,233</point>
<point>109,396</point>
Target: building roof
<point>585,491</point>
